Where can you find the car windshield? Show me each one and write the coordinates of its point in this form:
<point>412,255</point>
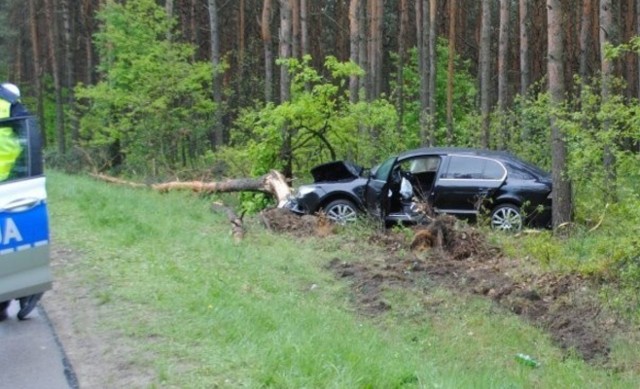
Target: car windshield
<point>381,172</point>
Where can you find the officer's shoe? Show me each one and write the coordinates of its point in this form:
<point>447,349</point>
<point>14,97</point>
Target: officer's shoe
<point>3,309</point>
<point>27,304</point>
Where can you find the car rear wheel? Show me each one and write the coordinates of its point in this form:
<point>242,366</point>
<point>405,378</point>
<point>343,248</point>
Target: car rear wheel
<point>506,217</point>
<point>341,211</point>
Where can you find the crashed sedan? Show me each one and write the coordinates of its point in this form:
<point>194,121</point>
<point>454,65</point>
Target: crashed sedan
<point>461,182</point>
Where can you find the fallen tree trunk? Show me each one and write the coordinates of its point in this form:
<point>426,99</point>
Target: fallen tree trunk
<point>273,183</point>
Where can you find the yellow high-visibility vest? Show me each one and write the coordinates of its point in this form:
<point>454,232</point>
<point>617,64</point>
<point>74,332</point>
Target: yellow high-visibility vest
<point>9,144</point>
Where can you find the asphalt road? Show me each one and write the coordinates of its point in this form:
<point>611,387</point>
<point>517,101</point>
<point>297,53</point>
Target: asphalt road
<point>31,356</point>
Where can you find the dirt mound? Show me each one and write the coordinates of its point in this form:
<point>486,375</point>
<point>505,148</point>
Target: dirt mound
<point>282,220</point>
<point>459,258</point>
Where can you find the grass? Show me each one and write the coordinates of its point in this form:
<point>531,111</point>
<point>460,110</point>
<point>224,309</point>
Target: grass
<point>267,313</point>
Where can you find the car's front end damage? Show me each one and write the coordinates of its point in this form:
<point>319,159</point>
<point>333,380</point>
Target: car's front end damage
<point>329,180</point>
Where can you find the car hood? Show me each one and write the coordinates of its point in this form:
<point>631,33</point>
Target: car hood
<point>336,171</point>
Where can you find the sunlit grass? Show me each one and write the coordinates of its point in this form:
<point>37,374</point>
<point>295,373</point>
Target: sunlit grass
<point>267,312</point>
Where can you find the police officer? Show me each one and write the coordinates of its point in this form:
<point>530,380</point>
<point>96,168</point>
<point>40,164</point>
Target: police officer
<point>10,149</point>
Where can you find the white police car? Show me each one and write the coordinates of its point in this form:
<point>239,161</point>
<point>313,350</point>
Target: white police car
<point>24,227</point>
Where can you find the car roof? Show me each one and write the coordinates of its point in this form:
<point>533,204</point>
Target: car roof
<point>502,156</point>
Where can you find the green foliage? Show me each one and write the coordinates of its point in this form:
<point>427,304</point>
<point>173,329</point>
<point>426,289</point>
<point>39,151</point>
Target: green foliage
<point>321,122</point>
<point>464,95</point>
<point>153,101</point>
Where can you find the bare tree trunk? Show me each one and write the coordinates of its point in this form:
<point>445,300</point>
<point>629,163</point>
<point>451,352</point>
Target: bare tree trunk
<point>304,27</point>
<point>214,34</point>
<point>433,41</point>
<point>168,8</point>
<point>638,33</point>
<point>87,10</point>
<point>422,30</point>
<point>55,70</point>
<point>375,48</point>
<point>273,183</point>
<point>354,37</point>
<point>503,59</point>
<point>285,48</point>
<point>525,66</point>
<point>585,39</point>
<point>485,71</point>
<point>241,42</point>
<point>295,29</point>
<point>69,69</point>
<point>265,27</point>
<point>561,185</point>
<point>402,33</point>
<point>607,36</point>
<point>37,66</point>
<point>453,10</point>
<point>286,152</point>
<point>363,58</point>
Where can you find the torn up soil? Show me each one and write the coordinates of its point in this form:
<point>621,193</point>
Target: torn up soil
<point>459,258</point>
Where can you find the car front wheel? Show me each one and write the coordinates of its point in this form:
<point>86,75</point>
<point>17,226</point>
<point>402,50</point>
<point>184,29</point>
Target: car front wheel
<point>341,211</point>
<point>506,217</point>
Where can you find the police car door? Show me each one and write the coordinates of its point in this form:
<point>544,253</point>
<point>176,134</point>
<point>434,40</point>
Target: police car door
<point>24,227</point>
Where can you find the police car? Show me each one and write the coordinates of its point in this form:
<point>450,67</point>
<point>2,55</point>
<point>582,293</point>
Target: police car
<point>24,227</point>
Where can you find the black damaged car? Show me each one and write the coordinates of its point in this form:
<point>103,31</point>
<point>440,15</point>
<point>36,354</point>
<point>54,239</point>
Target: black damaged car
<point>456,181</point>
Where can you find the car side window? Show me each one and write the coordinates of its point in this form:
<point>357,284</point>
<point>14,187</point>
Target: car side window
<point>474,168</point>
<point>519,173</point>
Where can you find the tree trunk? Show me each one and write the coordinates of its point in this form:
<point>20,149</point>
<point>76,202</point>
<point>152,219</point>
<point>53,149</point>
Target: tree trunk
<point>450,68</point>
<point>295,29</point>
<point>286,152</point>
<point>561,207</point>
<point>241,42</point>
<point>585,40</point>
<point>433,41</point>
<point>525,25</point>
<point>273,183</point>
<point>375,48</point>
<point>503,66</point>
<point>363,58</point>
<point>265,28</point>
<point>422,29</point>
<point>354,38</point>
<point>404,22</point>
<point>37,66</point>
<point>218,134</point>
<point>638,33</point>
<point>607,36</point>
<point>485,71</point>
<point>168,8</point>
<point>304,27</point>
<point>52,33</point>
<point>69,69</point>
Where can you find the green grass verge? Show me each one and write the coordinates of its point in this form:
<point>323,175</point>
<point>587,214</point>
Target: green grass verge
<point>267,313</point>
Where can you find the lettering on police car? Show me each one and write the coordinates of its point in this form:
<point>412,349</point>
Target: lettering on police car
<point>9,232</point>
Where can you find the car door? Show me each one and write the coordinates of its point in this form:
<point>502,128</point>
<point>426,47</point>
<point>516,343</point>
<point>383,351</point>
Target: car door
<point>377,190</point>
<point>465,181</point>
<point>24,224</point>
